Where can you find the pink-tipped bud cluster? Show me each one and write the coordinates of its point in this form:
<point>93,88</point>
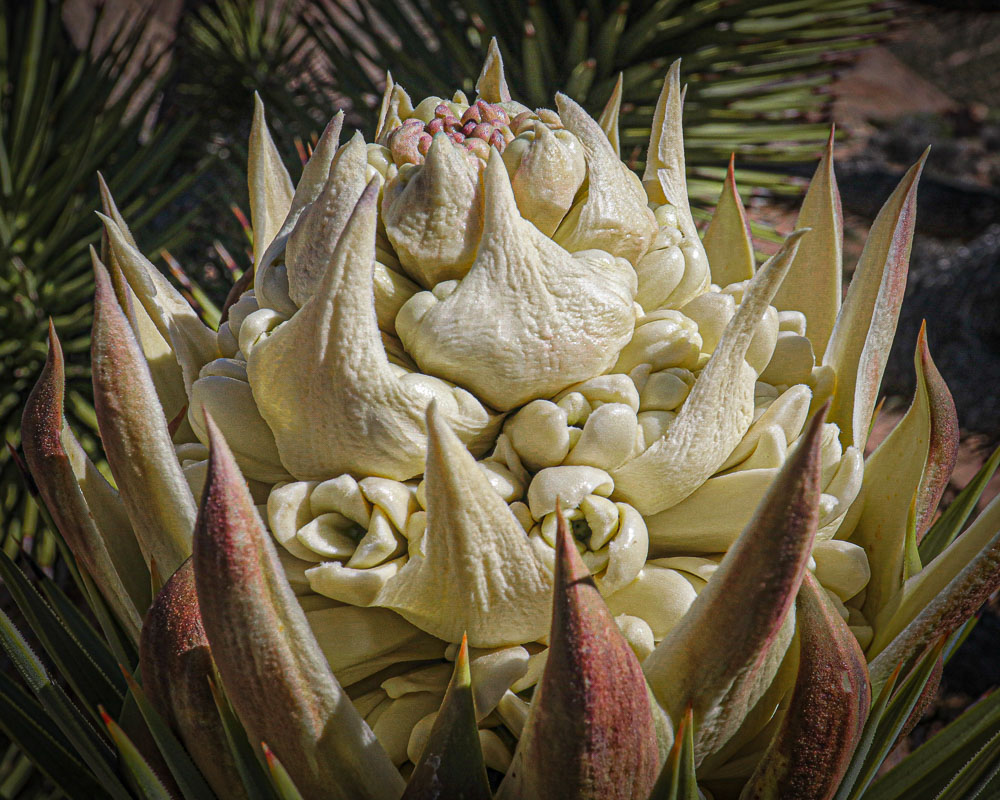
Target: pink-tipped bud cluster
<point>482,126</point>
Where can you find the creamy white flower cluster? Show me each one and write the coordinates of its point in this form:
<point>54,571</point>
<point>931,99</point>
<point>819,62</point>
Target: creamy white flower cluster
<point>476,318</point>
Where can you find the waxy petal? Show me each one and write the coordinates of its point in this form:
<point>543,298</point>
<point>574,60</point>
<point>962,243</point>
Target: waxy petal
<point>612,215</point>
<point>478,572</point>
<point>528,319</point>
<point>87,511</point>
<point>452,761</point>
<point>727,241</point>
<point>324,385</point>
<point>821,728</point>
<point>433,214</point>
<point>893,475</point>
<point>717,412</point>
<point>270,186</point>
<point>194,344</point>
<point>271,666</point>
<point>271,286</point>
<point>135,436</point>
<point>491,85</point>
<point>859,344</point>
<point>176,668</point>
<point>314,237</point>
<point>590,732</point>
<point>940,597</point>
<point>726,650</point>
<point>813,283</point>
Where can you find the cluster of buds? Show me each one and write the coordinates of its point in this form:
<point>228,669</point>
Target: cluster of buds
<point>481,126</point>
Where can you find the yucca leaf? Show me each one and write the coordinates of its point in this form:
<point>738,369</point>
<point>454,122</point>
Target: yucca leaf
<point>452,762</point>
<point>176,667</point>
<point>888,716</point>
<point>149,784</point>
<point>252,773</point>
<point>948,526</point>
<point>182,768</point>
<point>92,684</point>
<point>279,776</point>
<point>825,717</point>
<point>924,773</point>
<point>91,746</point>
<point>271,666</point>
<point>28,724</point>
<point>677,779</point>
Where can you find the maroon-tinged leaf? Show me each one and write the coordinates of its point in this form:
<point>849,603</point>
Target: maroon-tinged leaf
<point>86,510</point>
<point>939,598</point>
<point>942,448</point>
<point>590,733</point>
<point>865,327</point>
<point>176,666</point>
<point>822,727</point>
<point>272,668</point>
<point>452,765</point>
<point>727,649</point>
<point>135,435</point>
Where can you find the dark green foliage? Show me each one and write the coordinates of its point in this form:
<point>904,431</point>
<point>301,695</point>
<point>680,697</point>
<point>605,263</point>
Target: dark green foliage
<point>65,113</point>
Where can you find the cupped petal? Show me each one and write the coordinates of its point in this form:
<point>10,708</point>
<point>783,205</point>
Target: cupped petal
<point>528,319</point>
<point>590,731</point>
<point>324,385</point>
<point>433,213</point>
<point>272,668</point>
<point>727,649</point>
<point>314,237</point>
<point>135,436</point>
<point>612,214</point>
<point>717,412</point>
<point>477,572</point>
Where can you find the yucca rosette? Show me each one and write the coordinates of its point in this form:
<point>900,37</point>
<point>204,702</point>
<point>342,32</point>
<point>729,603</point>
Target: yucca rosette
<point>483,365</point>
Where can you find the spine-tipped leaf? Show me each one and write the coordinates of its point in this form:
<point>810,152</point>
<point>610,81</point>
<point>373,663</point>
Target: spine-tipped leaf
<point>590,732</point>
<point>272,668</point>
<point>99,537</point>
<point>135,436</point>
<point>727,649</point>
<point>452,762</point>
<point>176,667</point>
<point>826,715</point>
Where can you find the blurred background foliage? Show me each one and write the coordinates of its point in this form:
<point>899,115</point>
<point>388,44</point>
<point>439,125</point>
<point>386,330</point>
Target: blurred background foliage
<point>168,125</point>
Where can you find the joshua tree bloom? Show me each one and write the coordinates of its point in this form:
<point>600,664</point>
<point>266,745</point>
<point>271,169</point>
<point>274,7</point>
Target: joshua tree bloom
<point>490,397</point>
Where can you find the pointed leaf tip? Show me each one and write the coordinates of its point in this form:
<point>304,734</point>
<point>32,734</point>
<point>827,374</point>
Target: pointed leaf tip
<point>592,685</point>
<point>827,712</point>
<point>452,763</point>
<point>730,644</point>
<point>273,670</point>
